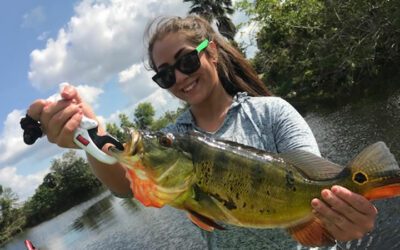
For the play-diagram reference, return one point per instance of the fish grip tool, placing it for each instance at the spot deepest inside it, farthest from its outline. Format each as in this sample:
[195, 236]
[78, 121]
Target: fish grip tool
[85, 137]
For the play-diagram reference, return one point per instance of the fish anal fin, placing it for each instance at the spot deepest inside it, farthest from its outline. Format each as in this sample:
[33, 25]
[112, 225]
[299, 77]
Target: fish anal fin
[203, 222]
[383, 192]
[311, 234]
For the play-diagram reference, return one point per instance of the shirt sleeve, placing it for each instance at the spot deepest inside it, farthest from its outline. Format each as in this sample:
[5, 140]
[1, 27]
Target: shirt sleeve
[290, 129]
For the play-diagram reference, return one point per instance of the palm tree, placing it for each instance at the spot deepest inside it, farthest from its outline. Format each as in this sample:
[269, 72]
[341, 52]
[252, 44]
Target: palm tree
[217, 10]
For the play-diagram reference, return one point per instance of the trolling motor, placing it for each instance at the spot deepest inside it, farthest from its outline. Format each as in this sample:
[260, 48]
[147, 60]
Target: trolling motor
[85, 136]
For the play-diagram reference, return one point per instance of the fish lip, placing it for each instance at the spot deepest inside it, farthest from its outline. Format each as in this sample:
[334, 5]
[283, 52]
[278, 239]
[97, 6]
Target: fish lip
[137, 145]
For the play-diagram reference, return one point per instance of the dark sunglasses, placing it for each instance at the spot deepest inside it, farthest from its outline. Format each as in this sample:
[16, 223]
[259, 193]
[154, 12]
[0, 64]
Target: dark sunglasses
[187, 64]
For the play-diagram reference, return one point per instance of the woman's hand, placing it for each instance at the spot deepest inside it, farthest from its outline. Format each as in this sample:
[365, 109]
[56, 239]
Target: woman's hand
[345, 215]
[60, 119]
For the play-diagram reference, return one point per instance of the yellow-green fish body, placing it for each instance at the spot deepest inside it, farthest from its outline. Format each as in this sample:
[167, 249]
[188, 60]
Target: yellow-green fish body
[225, 181]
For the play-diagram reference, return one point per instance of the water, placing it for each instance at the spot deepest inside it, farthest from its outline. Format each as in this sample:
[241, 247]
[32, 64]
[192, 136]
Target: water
[106, 222]
[343, 134]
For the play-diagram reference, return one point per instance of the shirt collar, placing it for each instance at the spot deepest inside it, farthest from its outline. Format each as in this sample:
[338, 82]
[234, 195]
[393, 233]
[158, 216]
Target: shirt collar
[187, 117]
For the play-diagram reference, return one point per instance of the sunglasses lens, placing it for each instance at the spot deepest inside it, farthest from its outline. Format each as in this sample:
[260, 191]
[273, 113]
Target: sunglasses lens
[189, 63]
[165, 78]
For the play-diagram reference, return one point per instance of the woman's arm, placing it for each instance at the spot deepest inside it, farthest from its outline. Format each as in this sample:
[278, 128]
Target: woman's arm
[60, 119]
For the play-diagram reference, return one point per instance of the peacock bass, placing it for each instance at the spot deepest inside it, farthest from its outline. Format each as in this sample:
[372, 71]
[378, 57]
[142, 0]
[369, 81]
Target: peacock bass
[216, 180]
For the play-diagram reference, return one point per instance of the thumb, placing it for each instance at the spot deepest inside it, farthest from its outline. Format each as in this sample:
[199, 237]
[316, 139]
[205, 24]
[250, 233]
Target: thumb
[69, 92]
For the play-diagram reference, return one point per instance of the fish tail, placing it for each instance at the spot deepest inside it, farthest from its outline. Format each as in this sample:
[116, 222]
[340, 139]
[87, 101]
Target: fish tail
[376, 171]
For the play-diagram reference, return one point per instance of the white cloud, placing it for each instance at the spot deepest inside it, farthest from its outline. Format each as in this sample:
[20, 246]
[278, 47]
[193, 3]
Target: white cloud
[15, 150]
[16, 153]
[160, 99]
[33, 18]
[43, 36]
[23, 185]
[247, 32]
[247, 35]
[11, 141]
[136, 81]
[102, 39]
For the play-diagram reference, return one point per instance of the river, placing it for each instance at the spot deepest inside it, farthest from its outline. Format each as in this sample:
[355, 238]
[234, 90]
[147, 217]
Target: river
[106, 222]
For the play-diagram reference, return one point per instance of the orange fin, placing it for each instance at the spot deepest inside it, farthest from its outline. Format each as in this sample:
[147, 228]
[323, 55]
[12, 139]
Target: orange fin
[311, 234]
[383, 192]
[143, 190]
[203, 222]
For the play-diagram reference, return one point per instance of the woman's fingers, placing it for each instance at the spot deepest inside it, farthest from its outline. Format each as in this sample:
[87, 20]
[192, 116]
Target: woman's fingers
[346, 215]
[69, 92]
[36, 108]
[65, 138]
[60, 119]
[356, 201]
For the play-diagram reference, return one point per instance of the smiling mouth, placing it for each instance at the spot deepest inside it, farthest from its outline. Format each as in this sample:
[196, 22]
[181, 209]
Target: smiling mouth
[190, 87]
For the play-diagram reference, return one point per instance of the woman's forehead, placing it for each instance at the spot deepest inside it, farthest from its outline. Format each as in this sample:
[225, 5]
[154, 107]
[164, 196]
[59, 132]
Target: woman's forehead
[165, 49]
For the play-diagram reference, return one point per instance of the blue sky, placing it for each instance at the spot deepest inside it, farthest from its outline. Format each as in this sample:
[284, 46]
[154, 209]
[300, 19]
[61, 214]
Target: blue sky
[95, 45]
[21, 23]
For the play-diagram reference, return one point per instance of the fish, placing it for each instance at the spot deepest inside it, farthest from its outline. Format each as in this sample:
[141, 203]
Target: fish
[220, 181]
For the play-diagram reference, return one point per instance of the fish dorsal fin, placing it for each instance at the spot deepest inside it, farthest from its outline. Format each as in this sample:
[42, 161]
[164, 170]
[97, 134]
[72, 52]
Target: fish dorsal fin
[311, 165]
[373, 157]
[203, 222]
[311, 234]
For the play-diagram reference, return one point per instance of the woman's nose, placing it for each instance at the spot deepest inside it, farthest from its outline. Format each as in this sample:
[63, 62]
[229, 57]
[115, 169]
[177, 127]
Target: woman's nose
[179, 76]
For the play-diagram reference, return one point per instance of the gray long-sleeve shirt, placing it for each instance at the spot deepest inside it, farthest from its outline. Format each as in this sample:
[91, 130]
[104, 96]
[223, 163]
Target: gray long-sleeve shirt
[267, 123]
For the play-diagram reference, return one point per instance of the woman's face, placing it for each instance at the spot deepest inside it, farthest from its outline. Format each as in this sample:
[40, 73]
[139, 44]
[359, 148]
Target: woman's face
[194, 88]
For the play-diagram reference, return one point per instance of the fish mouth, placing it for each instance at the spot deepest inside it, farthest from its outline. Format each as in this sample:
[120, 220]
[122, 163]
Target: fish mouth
[133, 146]
[136, 145]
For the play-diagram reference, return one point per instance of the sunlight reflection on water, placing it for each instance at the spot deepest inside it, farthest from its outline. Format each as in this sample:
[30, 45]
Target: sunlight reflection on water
[106, 222]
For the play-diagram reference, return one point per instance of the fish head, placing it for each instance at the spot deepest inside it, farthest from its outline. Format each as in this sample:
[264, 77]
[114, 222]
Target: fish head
[158, 153]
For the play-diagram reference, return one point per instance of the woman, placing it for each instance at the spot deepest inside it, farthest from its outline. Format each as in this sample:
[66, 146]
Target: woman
[227, 101]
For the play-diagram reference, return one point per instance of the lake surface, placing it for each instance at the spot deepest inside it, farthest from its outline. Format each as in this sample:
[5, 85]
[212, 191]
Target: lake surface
[106, 222]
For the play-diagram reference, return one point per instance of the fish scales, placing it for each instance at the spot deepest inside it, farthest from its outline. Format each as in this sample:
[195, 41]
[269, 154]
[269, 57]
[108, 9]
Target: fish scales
[216, 180]
[251, 185]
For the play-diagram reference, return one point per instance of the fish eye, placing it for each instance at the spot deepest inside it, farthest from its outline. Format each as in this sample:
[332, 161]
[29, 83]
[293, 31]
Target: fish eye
[166, 140]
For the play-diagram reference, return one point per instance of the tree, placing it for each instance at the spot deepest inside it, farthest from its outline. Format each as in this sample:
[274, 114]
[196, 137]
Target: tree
[144, 115]
[321, 50]
[217, 10]
[11, 218]
[116, 130]
[168, 118]
[69, 182]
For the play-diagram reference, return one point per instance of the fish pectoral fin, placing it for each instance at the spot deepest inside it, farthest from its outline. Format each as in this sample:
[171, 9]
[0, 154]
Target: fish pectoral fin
[203, 222]
[311, 234]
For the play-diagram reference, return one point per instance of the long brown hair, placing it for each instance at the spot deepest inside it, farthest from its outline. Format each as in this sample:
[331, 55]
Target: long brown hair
[234, 71]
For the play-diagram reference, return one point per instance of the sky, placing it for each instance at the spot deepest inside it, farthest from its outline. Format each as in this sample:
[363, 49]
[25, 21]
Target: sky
[97, 46]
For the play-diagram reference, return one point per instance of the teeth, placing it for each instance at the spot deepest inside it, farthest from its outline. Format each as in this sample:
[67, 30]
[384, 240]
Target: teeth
[190, 87]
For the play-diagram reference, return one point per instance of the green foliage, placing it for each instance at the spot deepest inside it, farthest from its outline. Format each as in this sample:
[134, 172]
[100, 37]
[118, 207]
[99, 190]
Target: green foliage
[12, 219]
[218, 10]
[144, 115]
[69, 182]
[114, 130]
[144, 118]
[319, 50]
[168, 118]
